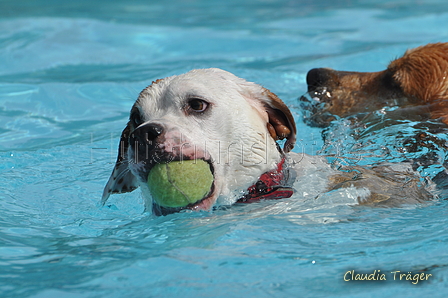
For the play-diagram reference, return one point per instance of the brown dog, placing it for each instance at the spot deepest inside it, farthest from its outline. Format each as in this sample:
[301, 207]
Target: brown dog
[418, 78]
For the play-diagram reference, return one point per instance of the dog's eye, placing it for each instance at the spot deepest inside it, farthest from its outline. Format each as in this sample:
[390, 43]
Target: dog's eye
[197, 105]
[136, 118]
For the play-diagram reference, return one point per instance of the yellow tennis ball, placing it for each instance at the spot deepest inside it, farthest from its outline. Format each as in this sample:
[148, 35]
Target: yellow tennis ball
[180, 183]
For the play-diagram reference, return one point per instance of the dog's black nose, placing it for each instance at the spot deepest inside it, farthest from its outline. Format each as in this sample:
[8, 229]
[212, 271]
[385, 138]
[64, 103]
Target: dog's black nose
[153, 131]
[148, 133]
[318, 77]
[143, 141]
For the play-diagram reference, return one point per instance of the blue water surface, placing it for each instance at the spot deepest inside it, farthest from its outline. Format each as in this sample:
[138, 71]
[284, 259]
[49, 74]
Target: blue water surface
[70, 72]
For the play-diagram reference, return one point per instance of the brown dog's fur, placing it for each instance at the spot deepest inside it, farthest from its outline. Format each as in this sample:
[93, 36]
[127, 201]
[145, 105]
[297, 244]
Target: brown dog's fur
[420, 77]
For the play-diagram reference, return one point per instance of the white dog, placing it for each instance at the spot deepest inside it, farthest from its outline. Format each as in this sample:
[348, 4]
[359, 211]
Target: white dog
[234, 125]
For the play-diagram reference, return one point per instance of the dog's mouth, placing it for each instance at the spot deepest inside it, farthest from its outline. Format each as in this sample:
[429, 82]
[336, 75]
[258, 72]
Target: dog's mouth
[315, 106]
[184, 184]
[177, 174]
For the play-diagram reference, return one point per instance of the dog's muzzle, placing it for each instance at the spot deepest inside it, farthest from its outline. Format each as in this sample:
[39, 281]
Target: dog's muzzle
[152, 144]
[145, 148]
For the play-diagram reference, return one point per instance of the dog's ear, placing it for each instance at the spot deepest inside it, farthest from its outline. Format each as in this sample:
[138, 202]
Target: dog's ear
[121, 180]
[421, 72]
[281, 124]
[280, 121]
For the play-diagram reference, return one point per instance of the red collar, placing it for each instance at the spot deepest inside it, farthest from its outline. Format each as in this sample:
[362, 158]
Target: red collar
[271, 185]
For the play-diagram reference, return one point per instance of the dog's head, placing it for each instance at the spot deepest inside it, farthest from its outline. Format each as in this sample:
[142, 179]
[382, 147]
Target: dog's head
[419, 77]
[207, 114]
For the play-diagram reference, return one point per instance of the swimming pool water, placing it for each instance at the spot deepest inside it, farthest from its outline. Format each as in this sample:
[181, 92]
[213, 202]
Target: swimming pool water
[69, 74]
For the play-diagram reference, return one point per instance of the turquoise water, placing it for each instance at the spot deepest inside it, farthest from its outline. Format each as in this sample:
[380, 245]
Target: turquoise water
[68, 77]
